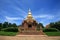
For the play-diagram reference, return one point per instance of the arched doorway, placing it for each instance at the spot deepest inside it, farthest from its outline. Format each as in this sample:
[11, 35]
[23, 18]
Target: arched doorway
[29, 26]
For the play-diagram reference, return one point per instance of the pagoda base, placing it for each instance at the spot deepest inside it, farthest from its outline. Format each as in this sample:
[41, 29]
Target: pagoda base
[31, 33]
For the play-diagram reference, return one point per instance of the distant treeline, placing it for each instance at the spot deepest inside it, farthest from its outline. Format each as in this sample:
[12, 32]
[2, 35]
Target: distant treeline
[6, 25]
[9, 26]
[55, 25]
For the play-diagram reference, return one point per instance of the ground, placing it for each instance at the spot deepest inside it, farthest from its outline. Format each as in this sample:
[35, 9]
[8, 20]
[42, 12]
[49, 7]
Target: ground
[11, 36]
[30, 37]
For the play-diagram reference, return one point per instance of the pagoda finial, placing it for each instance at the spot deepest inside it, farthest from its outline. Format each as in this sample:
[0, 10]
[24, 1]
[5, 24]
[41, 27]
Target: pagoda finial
[29, 10]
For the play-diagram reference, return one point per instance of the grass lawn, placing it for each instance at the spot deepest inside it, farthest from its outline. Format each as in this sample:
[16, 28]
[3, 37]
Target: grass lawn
[52, 33]
[14, 33]
[7, 33]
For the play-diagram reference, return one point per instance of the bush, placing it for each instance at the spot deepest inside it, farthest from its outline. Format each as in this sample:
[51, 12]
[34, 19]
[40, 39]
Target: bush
[50, 30]
[10, 29]
[38, 29]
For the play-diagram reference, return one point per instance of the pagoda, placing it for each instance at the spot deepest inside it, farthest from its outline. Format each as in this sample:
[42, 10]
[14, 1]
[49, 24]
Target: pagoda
[29, 25]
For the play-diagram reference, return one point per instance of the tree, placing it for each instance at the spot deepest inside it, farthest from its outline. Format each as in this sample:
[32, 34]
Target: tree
[14, 25]
[39, 25]
[52, 25]
[0, 26]
[55, 25]
[9, 25]
[5, 24]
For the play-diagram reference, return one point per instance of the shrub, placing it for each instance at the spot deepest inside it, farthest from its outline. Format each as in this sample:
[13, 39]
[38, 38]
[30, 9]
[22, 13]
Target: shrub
[38, 29]
[50, 30]
[10, 29]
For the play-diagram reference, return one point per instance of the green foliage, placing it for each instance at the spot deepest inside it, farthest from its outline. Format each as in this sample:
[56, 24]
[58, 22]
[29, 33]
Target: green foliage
[7, 33]
[10, 29]
[14, 25]
[50, 30]
[0, 26]
[9, 25]
[52, 33]
[55, 25]
[38, 26]
[5, 24]
[38, 29]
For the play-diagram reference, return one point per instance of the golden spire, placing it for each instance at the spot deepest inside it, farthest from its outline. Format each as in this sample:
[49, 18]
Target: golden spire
[29, 15]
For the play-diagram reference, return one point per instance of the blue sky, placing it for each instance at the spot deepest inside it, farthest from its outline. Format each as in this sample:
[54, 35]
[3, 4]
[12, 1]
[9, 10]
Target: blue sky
[15, 11]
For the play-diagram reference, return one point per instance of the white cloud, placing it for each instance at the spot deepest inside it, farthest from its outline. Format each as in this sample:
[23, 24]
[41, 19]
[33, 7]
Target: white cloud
[21, 12]
[13, 18]
[44, 16]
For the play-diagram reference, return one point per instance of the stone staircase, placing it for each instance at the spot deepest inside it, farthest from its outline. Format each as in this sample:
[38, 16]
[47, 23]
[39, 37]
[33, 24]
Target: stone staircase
[32, 33]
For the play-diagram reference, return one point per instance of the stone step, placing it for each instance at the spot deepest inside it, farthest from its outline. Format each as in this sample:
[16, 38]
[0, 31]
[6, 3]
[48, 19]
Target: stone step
[31, 33]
